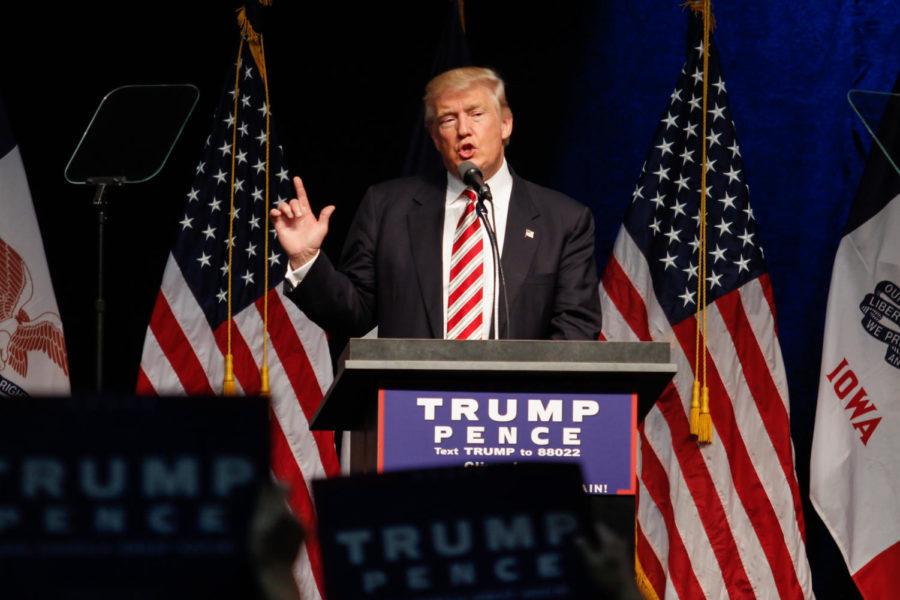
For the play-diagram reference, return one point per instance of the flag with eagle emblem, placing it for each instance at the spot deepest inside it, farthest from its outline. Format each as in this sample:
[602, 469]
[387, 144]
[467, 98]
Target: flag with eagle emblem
[32, 348]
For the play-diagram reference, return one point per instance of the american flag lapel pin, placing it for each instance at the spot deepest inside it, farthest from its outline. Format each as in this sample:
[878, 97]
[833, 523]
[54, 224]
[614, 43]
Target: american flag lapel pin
[529, 234]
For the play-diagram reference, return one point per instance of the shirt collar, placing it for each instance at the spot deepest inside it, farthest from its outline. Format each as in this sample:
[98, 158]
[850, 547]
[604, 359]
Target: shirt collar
[501, 179]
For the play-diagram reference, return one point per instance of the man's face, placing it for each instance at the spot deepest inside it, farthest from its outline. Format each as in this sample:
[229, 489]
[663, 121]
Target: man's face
[469, 126]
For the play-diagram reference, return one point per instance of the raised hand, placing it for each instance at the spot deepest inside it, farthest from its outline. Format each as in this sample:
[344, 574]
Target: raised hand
[299, 231]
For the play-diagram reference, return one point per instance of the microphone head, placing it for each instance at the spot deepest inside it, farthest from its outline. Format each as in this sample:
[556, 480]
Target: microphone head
[467, 167]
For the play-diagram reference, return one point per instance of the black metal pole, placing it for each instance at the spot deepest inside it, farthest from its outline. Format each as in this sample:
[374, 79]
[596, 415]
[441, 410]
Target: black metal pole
[100, 303]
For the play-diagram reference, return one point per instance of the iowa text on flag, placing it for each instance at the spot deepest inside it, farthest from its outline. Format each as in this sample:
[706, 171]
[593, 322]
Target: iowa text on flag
[223, 262]
[721, 519]
[855, 466]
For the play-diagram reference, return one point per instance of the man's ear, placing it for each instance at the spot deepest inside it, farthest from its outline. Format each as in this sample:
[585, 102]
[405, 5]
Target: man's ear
[506, 124]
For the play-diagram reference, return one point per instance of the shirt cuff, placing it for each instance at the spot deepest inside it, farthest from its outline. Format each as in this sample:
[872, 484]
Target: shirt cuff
[294, 277]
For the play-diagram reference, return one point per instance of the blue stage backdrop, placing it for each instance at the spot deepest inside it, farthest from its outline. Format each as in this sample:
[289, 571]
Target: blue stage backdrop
[788, 67]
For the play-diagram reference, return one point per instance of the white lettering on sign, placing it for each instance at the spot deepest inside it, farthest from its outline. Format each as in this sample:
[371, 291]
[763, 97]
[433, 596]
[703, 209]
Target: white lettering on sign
[584, 408]
[430, 405]
[535, 409]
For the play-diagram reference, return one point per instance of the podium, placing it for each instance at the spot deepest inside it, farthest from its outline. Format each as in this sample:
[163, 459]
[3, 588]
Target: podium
[367, 366]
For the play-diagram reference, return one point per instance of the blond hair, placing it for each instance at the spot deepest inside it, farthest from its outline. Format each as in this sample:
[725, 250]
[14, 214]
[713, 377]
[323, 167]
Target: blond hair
[463, 78]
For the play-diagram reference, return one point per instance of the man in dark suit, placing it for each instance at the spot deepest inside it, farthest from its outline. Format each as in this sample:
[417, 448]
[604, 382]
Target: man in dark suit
[417, 262]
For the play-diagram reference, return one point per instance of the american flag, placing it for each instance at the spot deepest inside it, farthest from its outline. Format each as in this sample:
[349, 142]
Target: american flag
[722, 519]
[184, 351]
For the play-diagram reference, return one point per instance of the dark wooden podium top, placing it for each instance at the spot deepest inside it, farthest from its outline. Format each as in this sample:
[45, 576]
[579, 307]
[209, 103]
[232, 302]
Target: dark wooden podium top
[502, 365]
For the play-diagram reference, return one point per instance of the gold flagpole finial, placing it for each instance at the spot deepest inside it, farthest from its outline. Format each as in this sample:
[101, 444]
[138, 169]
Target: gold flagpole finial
[699, 7]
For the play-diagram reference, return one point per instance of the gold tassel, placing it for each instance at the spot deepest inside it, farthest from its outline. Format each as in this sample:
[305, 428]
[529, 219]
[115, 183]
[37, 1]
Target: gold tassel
[228, 387]
[705, 434]
[645, 588]
[264, 385]
[695, 409]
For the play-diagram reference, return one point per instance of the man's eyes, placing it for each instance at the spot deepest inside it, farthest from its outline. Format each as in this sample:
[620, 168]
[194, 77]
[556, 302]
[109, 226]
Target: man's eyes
[450, 119]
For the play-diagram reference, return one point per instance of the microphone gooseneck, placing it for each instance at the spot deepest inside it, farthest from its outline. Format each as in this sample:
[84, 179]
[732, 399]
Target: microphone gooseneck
[472, 177]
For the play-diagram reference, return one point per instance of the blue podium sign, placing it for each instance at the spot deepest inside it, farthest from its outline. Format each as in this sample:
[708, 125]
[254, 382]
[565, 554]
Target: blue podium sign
[421, 429]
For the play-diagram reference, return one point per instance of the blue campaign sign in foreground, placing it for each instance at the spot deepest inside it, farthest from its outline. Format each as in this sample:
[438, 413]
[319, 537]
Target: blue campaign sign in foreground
[420, 429]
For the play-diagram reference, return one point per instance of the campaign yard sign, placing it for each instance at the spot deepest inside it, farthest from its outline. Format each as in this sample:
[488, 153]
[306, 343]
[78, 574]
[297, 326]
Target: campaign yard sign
[501, 531]
[420, 429]
[129, 497]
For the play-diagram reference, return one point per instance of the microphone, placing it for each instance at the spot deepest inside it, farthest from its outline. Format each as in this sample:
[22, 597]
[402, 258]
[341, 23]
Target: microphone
[473, 177]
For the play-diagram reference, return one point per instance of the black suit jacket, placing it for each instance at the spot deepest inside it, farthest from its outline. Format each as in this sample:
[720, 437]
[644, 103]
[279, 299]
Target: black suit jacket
[390, 273]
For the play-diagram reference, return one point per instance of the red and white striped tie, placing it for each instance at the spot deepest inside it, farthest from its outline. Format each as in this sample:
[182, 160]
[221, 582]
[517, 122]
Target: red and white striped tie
[466, 290]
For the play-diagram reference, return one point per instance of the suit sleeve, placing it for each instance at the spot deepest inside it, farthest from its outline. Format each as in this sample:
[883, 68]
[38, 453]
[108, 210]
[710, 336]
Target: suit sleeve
[576, 307]
[343, 301]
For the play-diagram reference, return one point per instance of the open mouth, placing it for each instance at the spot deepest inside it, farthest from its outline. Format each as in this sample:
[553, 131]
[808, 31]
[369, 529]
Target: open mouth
[466, 151]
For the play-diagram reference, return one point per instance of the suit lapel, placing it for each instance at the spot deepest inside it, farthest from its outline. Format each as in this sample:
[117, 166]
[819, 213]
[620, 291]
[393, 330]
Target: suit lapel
[426, 231]
[518, 247]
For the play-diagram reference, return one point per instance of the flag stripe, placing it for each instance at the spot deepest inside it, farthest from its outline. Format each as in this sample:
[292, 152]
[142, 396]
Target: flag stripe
[747, 483]
[301, 376]
[649, 562]
[877, 579]
[773, 481]
[762, 322]
[177, 349]
[144, 387]
[656, 484]
[708, 503]
[653, 540]
[285, 468]
[763, 389]
[194, 326]
[769, 294]
[630, 305]
[285, 403]
[158, 371]
[312, 340]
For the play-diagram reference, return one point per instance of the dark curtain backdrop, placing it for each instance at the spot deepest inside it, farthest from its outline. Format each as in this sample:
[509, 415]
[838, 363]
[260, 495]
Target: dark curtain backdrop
[587, 82]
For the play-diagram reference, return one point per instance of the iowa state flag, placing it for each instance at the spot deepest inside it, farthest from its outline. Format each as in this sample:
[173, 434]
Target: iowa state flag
[855, 470]
[32, 349]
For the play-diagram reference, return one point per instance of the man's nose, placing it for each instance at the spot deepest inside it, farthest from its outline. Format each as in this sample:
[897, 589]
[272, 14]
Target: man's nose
[464, 126]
